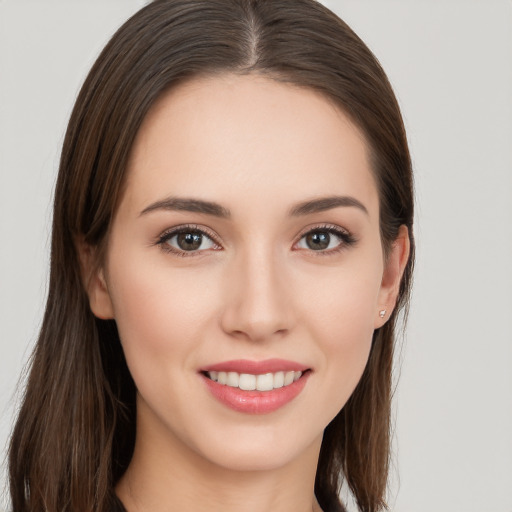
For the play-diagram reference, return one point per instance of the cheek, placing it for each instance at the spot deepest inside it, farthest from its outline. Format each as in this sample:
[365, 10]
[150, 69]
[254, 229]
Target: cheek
[160, 312]
[342, 306]
[341, 317]
[345, 326]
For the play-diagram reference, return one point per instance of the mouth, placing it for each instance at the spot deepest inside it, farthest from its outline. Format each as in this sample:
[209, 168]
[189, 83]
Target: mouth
[255, 382]
[256, 387]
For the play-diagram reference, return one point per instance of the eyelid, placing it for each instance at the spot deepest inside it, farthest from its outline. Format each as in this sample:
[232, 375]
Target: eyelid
[347, 238]
[325, 227]
[166, 235]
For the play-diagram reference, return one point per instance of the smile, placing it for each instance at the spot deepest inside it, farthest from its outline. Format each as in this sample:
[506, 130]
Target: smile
[250, 382]
[254, 387]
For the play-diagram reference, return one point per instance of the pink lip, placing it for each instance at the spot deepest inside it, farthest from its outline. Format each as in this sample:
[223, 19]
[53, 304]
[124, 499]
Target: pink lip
[256, 367]
[255, 402]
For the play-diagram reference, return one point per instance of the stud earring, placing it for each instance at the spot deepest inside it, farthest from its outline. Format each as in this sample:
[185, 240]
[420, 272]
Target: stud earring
[382, 313]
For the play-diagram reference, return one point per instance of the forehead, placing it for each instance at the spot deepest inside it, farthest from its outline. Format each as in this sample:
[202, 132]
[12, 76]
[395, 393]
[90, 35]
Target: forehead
[233, 136]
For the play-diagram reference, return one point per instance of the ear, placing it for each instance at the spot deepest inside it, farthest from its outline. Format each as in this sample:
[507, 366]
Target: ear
[394, 268]
[93, 278]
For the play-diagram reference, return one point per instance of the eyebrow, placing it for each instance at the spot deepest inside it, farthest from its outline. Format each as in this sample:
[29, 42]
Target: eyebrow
[189, 205]
[326, 203]
[211, 208]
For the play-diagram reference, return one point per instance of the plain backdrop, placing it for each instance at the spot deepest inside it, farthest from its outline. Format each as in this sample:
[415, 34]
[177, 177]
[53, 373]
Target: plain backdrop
[451, 65]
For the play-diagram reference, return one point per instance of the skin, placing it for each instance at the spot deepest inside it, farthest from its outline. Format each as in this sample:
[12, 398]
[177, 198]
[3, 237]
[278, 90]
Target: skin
[258, 291]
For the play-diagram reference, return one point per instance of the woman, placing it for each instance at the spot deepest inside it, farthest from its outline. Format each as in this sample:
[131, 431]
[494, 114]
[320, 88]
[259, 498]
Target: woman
[232, 243]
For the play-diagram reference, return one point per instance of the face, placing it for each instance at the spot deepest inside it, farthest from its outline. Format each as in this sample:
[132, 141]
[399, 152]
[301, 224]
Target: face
[245, 252]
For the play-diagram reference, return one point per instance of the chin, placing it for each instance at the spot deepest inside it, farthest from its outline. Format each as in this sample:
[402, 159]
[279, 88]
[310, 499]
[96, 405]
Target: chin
[262, 450]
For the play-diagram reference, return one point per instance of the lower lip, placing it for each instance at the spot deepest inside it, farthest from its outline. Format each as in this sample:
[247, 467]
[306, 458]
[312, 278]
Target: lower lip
[256, 402]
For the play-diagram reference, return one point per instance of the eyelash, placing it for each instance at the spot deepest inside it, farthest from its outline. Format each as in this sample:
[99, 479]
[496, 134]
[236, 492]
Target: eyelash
[347, 239]
[188, 228]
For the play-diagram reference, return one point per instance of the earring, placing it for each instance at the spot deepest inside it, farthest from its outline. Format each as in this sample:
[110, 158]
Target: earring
[382, 313]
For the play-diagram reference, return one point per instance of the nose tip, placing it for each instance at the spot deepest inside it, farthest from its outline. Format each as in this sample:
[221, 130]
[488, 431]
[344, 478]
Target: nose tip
[258, 305]
[257, 331]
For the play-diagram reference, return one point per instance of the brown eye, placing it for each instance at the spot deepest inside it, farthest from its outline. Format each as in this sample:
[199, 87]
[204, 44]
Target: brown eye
[328, 239]
[187, 240]
[318, 241]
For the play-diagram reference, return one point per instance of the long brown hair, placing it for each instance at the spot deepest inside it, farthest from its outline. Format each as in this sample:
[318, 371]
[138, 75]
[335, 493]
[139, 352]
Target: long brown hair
[75, 432]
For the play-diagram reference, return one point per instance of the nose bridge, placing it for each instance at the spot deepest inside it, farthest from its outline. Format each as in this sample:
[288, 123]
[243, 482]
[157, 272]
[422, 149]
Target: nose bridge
[258, 303]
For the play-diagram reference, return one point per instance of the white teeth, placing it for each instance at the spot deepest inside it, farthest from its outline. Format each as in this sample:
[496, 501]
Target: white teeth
[249, 382]
[232, 379]
[288, 378]
[279, 380]
[265, 382]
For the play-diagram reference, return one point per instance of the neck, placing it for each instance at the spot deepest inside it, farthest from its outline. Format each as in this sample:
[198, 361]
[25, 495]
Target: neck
[167, 475]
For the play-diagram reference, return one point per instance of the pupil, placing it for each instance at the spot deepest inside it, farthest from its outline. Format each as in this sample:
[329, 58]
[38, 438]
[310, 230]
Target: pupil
[318, 241]
[189, 241]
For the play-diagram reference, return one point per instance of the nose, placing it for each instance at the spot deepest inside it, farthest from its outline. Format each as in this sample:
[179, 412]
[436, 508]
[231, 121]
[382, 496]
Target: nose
[258, 302]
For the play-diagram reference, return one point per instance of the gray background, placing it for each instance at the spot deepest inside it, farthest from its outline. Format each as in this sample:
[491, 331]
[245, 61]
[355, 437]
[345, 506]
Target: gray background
[451, 65]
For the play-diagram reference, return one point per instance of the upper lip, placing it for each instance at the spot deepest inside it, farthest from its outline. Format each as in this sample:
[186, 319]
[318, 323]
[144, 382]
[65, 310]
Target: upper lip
[256, 367]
